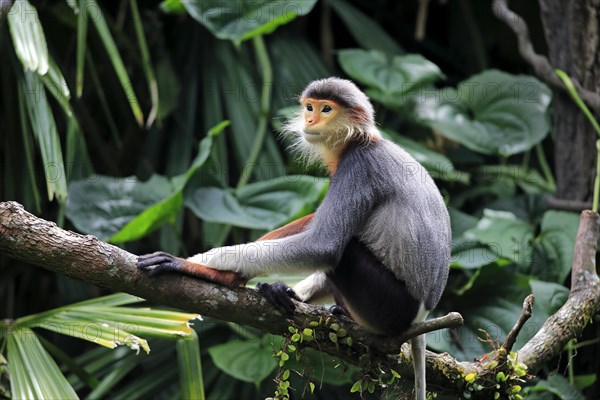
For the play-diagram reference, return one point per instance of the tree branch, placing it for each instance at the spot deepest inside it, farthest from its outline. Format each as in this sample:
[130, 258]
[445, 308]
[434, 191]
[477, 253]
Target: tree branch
[511, 338]
[33, 240]
[583, 302]
[36, 241]
[542, 67]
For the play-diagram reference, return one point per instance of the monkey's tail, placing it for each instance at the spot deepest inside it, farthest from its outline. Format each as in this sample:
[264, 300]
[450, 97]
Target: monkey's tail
[417, 345]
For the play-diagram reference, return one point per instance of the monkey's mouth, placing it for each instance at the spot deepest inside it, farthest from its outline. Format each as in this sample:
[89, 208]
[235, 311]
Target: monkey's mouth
[312, 136]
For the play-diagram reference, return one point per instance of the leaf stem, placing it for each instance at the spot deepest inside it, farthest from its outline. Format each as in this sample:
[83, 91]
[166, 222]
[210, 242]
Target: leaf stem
[539, 152]
[146, 62]
[265, 101]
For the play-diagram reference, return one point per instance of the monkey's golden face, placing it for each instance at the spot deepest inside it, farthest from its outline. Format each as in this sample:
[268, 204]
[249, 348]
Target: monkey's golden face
[320, 118]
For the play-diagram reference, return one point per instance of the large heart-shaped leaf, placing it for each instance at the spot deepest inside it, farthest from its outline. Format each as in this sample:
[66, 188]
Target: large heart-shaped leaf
[438, 165]
[505, 234]
[102, 205]
[261, 205]
[124, 209]
[491, 113]
[395, 75]
[553, 255]
[249, 361]
[240, 20]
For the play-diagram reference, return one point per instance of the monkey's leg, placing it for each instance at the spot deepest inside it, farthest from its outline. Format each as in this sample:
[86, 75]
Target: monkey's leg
[417, 348]
[160, 262]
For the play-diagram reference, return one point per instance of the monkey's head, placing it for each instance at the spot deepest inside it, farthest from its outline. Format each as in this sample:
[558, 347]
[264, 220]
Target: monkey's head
[333, 112]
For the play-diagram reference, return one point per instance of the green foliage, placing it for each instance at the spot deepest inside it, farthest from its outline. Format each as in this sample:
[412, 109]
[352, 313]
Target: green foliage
[240, 20]
[261, 205]
[390, 76]
[249, 361]
[102, 321]
[491, 113]
[558, 386]
[149, 81]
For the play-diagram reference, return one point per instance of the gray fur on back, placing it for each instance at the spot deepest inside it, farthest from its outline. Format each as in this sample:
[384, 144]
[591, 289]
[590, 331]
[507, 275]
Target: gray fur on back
[406, 222]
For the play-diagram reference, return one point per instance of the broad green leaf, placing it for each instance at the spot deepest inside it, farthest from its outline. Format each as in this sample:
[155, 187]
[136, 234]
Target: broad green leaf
[244, 360]
[166, 210]
[559, 386]
[553, 255]
[190, 367]
[367, 33]
[32, 92]
[584, 381]
[396, 75]
[461, 222]
[28, 37]
[124, 209]
[151, 218]
[505, 234]
[469, 254]
[529, 180]
[103, 205]
[438, 165]
[261, 205]
[491, 113]
[549, 297]
[34, 374]
[240, 20]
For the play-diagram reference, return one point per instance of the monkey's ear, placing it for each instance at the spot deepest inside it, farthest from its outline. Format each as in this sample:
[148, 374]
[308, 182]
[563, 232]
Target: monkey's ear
[359, 115]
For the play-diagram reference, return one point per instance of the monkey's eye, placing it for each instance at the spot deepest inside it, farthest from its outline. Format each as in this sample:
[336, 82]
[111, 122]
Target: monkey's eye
[326, 109]
[309, 107]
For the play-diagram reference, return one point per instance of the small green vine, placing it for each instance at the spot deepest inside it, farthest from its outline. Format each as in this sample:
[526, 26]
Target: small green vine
[322, 329]
[506, 382]
[372, 376]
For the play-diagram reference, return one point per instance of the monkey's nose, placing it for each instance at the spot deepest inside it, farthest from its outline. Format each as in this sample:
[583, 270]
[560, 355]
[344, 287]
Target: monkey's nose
[310, 121]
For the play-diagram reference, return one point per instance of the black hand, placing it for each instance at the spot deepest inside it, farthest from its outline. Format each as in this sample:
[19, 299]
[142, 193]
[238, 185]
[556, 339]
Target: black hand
[279, 295]
[158, 262]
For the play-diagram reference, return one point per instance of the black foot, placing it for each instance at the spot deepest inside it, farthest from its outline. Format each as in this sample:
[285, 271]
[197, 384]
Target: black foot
[158, 262]
[279, 295]
[338, 310]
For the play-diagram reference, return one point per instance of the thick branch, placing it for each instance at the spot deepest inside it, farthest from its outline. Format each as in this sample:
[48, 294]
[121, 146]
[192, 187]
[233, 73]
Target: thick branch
[541, 65]
[39, 242]
[30, 239]
[583, 302]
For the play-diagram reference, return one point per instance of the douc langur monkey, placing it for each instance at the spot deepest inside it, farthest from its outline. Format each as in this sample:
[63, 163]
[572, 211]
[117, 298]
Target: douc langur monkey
[379, 243]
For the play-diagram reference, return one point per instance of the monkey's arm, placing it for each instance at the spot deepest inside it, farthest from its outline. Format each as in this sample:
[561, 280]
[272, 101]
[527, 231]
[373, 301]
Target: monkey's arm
[290, 229]
[163, 262]
[351, 197]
